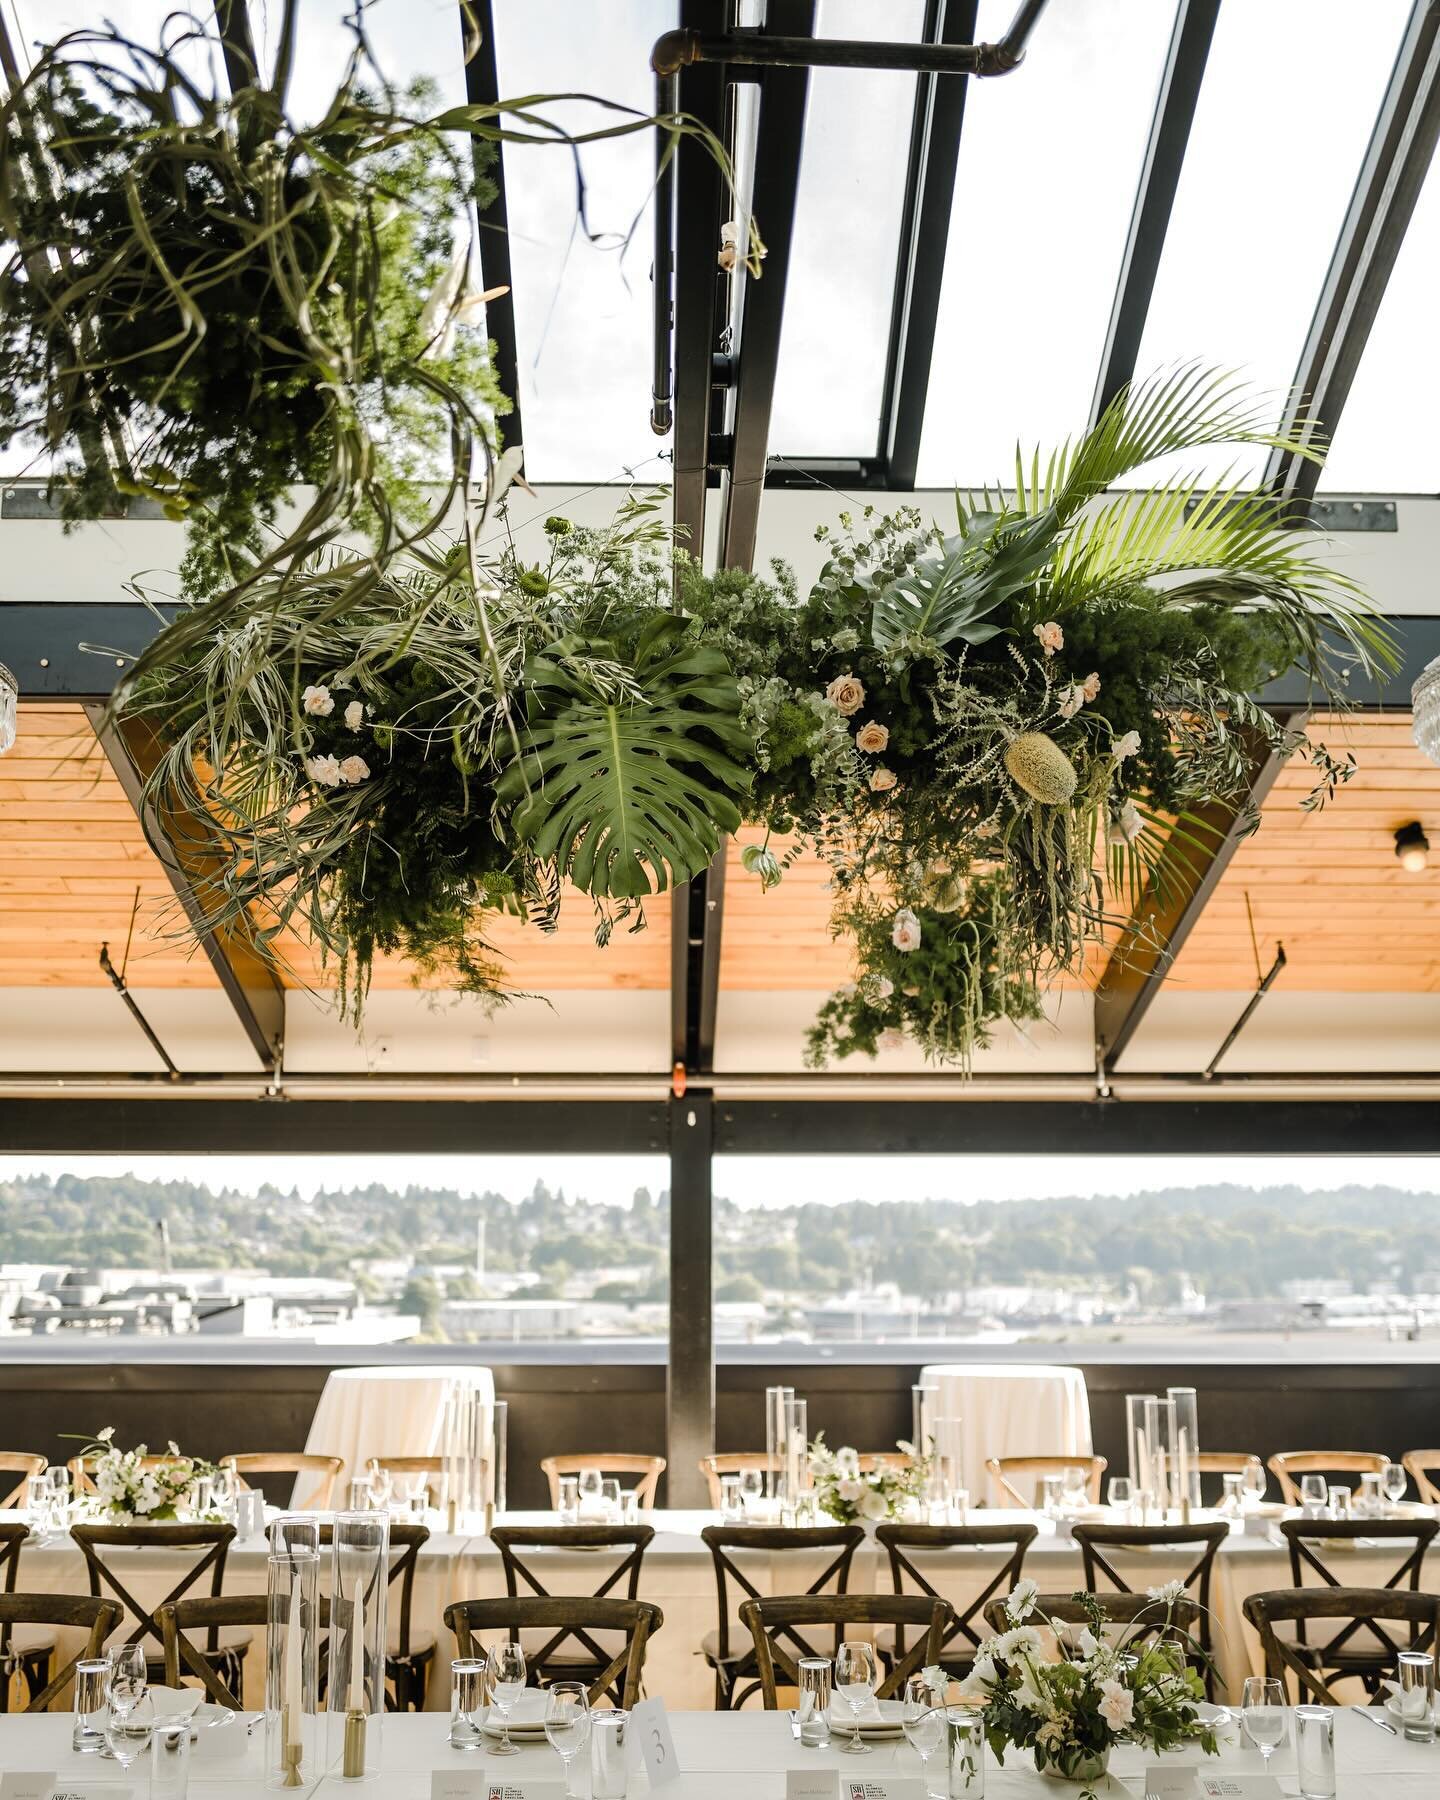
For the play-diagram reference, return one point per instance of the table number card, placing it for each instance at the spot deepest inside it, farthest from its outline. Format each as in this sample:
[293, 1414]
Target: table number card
[888, 1788]
[1240, 1787]
[523, 1790]
[812, 1784]
[650, 1730]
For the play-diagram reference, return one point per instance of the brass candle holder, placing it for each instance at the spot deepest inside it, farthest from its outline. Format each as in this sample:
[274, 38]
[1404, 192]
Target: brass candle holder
[352, 1765]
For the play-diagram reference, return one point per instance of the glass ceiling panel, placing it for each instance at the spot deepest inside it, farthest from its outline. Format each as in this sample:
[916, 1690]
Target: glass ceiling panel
[1049, 161]
[830, 383]
[1290, 96]
[1385, 442]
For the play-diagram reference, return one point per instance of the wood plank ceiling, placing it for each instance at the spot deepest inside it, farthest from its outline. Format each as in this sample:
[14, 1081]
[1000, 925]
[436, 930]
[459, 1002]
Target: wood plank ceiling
[1327, 884]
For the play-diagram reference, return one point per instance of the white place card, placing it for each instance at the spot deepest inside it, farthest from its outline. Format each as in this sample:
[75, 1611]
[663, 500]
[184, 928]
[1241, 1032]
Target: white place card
[1167, 1782]
[523, 1790]
[68, 1790]
[1239, 1787]
[27, 1784]
[890, 1787]
[812, 1784]
[650, 1729]
[457, 1784]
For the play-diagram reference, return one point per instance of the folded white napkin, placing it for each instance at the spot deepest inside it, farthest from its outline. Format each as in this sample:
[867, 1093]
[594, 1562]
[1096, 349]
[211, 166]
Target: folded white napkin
[174, 1703]
[1412, 1705]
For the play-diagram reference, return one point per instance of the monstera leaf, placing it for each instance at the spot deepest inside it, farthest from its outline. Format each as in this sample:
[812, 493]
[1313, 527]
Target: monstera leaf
[630, 794]
[951, 592]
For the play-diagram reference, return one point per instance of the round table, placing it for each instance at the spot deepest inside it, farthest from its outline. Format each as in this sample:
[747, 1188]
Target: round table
[394, 1410]
[1010, 1409]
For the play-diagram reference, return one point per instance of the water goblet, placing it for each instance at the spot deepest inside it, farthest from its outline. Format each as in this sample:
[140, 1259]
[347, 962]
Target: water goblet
[1120, 1492]
[567, 1723]
[855, 1677]
[923, 1723]
[128, 1730]
[507, 1683]
[1262, 1714]
[1393, 1482]
[1313, 1494]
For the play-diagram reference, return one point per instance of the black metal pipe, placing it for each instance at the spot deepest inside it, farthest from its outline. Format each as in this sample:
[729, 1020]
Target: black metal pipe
[1249, 1012]
[117, 981]
[482, 88]
[662, 404]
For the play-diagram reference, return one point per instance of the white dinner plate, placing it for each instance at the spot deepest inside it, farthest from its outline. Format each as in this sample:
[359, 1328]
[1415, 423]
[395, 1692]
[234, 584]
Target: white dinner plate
[526, 1721]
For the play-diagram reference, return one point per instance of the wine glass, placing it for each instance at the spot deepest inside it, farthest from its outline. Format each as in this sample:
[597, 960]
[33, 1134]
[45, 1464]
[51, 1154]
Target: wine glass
[380, 1485]
[127, 1681]
[1252, 1480]
[610, 1500]
[1121, 1493]
[1314, 1491]
[38, 1510]
[128, 1731]
[752, 1487]
[855, 1677]
[1262, 1714]
[1393, 1482]
[589, 1491]
[922, 1722]
[1073, 1489]
[507, 1683]
[567, 1723]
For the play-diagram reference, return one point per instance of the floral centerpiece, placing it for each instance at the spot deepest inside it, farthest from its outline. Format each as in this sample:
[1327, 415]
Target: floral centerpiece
[1135, 1689]
[849, 1495]
[131, 1484]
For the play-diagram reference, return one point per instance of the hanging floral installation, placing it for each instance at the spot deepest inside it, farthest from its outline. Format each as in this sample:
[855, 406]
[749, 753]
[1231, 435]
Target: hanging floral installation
[396, 727]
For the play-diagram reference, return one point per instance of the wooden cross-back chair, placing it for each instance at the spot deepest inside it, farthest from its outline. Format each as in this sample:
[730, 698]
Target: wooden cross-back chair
[772, 1618]
[33, 1653]
[1137, 1615]
[1288, 1466]
[560, 1659]
[319, 1497]
[230, 1611]
[903, 1542]
[735, 1664]
[52, 1612]
[731, 1462]
[26, 1464]
[1007, 1470]
[578, 1615]
[1373, 1659]
[209, 1545]
[409, 1657]
[608, 1462]
[432, 1467]
[1095, 1540]
[1362, 1607]
[1418, 1465]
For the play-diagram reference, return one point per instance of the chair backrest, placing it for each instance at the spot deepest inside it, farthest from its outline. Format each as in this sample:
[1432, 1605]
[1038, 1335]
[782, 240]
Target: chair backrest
[69, 1612]
[730, 1462]
[1362, 1608]
[1095, 1540]
[80, 1467]
[568, 1616]
[1138, 1615]
[1287, 1467]
[843, 1540]
[903, 1542]
[608, 1462]
[433, 1466]
[326, 1470]
[1307, 1538]
[13, 1539]
[25, 1464]
[509, 1540]
[791, 1615]
[1418, 1464]
[406, 1542]
[209, 1544]
[1008, 1471]
[211, 1616]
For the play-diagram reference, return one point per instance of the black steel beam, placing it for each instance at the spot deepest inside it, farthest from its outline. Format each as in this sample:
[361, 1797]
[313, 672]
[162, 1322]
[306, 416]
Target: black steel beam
[863, 1127]
[1159, 178]
[779, 139]
[1146, 950]
[924, 238]
[1391, 177]
[482, 88]
[690, 1369]
[185, 849]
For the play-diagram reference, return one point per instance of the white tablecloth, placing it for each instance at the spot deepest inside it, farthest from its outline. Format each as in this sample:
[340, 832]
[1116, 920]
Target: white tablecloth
[388, 1411]
[713, 1749]
[1010, 1409]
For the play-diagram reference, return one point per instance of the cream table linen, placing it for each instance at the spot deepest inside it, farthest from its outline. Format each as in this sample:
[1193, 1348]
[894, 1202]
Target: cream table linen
[713, 1750]
[1010, 1409]
[393, 1410]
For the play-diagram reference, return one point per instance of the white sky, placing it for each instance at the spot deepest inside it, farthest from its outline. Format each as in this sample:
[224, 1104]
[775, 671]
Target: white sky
[763, 1180]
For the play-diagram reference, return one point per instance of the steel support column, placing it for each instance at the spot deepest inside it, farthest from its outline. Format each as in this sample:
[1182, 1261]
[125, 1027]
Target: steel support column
[482, 88]
[690, 1377]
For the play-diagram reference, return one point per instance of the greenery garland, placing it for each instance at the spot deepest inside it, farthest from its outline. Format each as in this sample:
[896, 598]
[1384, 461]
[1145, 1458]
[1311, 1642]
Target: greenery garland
[990, 737]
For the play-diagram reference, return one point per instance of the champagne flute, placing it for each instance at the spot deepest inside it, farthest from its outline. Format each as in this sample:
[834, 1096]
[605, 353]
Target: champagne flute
[1394, 1481]
[567, 1723]
[922, 1722]
[507, 1683]
[1262, 1713]
[855, 1676]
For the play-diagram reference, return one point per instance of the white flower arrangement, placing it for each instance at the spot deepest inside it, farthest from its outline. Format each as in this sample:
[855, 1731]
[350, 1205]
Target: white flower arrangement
[1071, 1712]
[847, 1495]
[129, 1487]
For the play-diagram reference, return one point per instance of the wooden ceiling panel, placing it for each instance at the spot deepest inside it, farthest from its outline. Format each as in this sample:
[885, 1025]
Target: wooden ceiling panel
[1327, 884]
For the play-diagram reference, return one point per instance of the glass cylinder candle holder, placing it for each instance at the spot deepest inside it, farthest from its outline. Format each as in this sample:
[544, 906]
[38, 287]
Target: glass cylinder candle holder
[949, 1470]
[359, 1581]
[775, 1399]
[795, 1463]
[292, 1735]
[1160, 1441]
[496, 1447]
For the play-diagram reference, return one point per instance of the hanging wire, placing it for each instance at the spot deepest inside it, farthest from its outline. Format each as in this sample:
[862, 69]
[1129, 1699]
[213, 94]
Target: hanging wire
[1254, 941]
[129, 935]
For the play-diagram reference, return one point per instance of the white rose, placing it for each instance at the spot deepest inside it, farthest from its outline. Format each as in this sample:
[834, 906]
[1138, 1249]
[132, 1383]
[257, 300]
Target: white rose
[874, 1505]
[318, 701]
[1117, 1706]
[851, 1491]
[355, 714]
[324, 770]
[354, 769]
[905, 931]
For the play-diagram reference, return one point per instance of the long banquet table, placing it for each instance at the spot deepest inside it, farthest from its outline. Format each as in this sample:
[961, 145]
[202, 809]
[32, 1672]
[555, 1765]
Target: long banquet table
[712, 1750]
[678, 1575]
